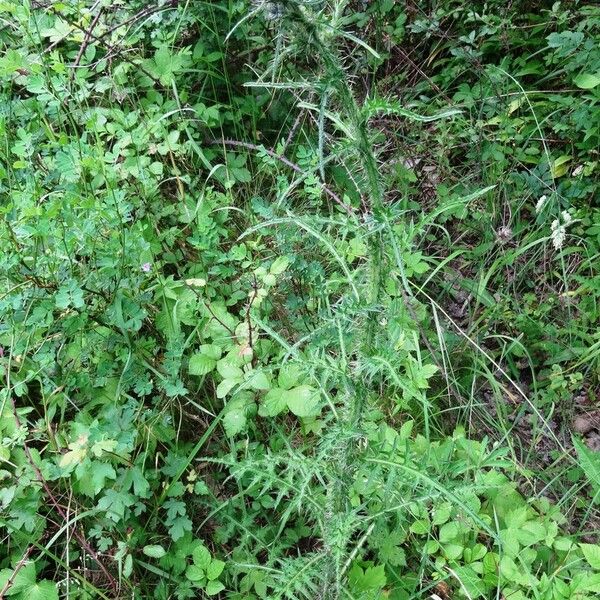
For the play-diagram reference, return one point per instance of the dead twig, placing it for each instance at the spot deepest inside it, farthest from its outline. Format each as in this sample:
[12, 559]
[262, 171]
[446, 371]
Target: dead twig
[86, 40]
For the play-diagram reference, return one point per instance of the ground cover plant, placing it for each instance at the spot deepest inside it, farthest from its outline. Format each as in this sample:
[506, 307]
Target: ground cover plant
[299, 300]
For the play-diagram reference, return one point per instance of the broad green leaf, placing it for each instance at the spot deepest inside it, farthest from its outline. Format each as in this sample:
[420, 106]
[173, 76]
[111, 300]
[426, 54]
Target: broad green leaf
[273, 403]
[229, 371]
[258, 380]
[587, 81]
[128, 566]
[289, 374]
[42, 590]
[516, 517]
[303, 401]
[592, 555]
[201, 364]
[531, 533]
[93, 476]
[225, 387]
[214, 587]
[279, 265]
[442, 512]
[154, 551]
[24, 579]
[196, 574]
[449, 532]
[234, 421]
[201, 556]
[453, 551]
[215, 569]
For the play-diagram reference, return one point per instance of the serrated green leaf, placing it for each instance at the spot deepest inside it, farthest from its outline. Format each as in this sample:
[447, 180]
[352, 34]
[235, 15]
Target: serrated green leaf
[154, 551]
[201, 364]
[303, 401]
[42, 590]
[234, 421]
[214, 587]
[201, 556]
[196, 574]
[592, 555]
[273, 403]
[215, 569]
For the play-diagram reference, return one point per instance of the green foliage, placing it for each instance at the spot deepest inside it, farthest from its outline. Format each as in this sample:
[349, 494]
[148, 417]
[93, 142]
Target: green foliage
[292, 295]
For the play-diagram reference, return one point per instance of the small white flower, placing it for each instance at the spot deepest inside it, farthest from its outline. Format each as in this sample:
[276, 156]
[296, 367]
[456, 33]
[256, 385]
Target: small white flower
[567, 218]
[558, 235]
[577, 171]
[540, 204]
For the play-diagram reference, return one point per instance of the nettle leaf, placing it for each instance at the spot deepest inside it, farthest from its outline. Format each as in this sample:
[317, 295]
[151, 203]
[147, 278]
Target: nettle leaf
[303, 401]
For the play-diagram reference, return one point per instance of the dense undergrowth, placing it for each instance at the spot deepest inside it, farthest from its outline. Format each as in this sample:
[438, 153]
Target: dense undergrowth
[299, 300]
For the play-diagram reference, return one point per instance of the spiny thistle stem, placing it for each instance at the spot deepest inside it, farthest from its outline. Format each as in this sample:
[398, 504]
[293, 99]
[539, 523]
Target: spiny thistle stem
[339, 527]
